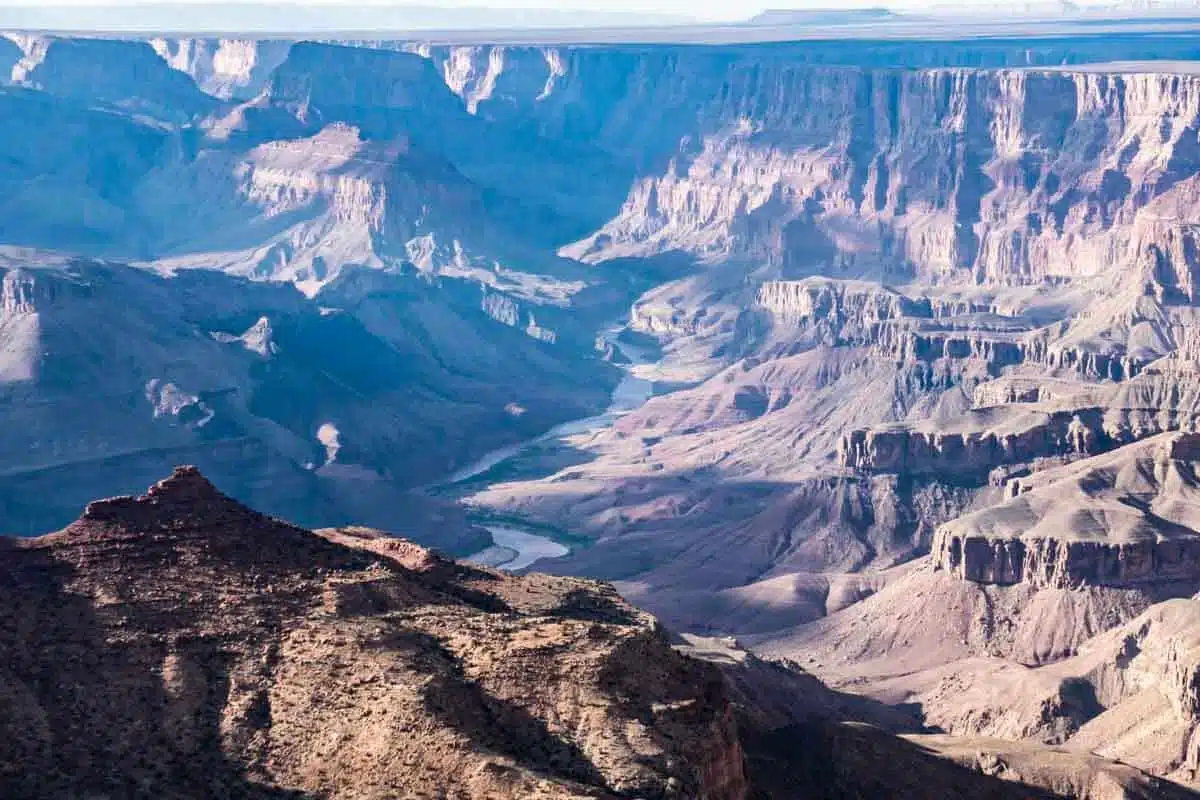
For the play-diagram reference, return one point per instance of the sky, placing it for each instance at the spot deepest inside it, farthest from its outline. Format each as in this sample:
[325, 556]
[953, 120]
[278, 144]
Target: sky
[699, 9]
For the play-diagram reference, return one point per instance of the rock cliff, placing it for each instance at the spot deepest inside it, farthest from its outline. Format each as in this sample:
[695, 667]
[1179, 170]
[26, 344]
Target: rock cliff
[224, 68]
[1122, 519]
[984, 176]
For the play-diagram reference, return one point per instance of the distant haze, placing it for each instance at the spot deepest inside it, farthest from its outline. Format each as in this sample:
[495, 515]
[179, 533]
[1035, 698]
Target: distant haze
[308, 17]
[329, 16]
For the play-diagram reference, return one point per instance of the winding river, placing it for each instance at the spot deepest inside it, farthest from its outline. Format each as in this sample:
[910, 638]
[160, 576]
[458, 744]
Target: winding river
[514, 547]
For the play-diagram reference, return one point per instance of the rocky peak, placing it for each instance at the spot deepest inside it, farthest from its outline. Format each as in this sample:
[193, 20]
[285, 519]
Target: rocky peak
[185, 519]
[184, 502]
[260, 338]
[186, 491]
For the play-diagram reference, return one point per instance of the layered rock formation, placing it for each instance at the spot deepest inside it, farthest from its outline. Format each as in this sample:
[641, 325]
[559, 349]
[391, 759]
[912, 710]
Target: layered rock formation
[874, 247]
[1117, 520]
[1021, 420]
[941, 173]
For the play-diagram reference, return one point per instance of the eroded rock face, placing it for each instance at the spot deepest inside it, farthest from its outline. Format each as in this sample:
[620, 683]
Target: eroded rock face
[121, 73]
[207, 643]
[224, 68]
[924, 171]
[974, 449]
[1023, 421]
[1121, 520]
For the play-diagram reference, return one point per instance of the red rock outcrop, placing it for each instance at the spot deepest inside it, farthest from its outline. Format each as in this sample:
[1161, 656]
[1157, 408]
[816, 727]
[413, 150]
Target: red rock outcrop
[179, 639]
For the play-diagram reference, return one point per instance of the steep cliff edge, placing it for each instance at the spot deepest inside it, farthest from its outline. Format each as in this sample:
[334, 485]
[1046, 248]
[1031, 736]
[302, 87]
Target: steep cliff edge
[986, 176]
[1123, 519]
[127, 75]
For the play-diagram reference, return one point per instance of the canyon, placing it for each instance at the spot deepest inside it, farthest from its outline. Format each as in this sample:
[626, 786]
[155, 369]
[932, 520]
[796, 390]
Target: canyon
[879, 356]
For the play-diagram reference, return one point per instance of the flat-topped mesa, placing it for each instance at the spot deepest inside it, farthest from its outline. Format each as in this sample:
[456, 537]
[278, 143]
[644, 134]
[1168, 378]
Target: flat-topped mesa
[859, 301]
[1011, 390]
[117, 71]
[1124, 519]
[928, 330]
[320, 77]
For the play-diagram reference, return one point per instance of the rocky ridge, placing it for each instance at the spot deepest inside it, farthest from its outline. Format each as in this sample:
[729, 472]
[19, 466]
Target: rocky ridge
[201, 642]
[300, 660]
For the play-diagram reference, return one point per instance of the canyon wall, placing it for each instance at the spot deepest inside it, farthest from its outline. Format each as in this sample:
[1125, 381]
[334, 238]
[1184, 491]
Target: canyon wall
[847, 166]
[1005, 177]
[1122, 520]
[884, 273]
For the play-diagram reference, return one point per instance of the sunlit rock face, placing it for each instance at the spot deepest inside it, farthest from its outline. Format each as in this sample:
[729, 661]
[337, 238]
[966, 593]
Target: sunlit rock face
[913, 279]
[1002, 177]
[224, 68]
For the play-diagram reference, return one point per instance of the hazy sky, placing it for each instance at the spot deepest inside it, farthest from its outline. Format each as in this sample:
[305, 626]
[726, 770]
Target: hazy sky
[702, 9]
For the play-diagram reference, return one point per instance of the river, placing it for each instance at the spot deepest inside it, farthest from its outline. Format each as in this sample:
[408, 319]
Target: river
[514, 547]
